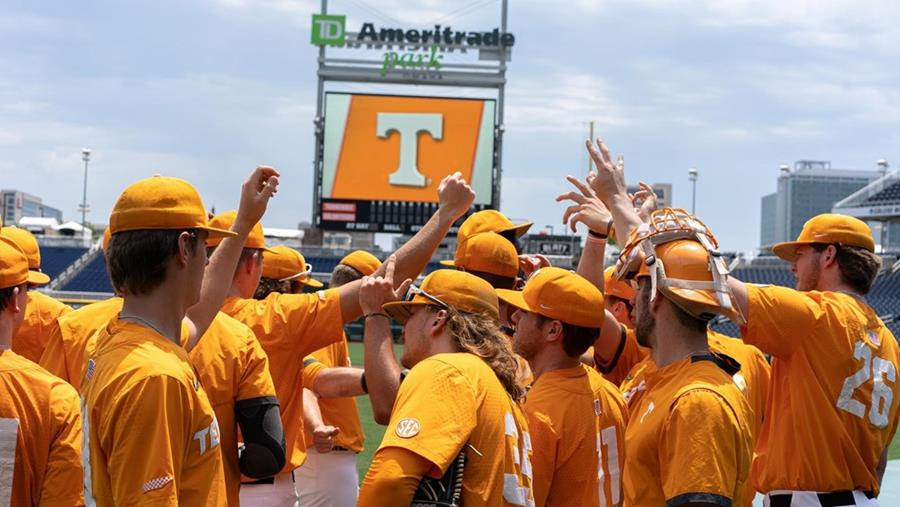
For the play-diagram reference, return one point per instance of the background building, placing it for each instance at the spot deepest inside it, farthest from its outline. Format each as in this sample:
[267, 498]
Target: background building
[879, 204]
[663, 193]
[810, 188]
[18, 204]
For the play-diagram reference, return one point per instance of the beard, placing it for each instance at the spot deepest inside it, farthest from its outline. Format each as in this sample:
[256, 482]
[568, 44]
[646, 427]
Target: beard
[644, 321]
[810, 279]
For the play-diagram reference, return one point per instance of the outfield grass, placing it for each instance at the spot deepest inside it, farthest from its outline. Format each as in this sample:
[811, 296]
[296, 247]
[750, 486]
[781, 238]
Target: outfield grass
[374, 432]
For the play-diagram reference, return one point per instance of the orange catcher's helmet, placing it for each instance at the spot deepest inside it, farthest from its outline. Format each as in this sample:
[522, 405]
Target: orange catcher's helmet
[680, 255]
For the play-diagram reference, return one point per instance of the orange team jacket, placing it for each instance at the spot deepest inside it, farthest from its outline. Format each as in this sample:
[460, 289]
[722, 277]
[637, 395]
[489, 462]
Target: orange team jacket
[151, 435]
[689, 437]
[451, 402]
[628, 353]
[834, 374]
[232, 367]
[40, 316]
[289, 327]
[577, 422]
[338, 412]
[67, 339]
[40, 436]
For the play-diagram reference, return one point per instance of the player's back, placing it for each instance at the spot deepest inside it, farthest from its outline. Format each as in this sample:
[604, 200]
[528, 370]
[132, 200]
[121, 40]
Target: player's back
[40, 436]
[152, 433]
[40, 313]
[577, 422]
[834, 371]
[454, 402]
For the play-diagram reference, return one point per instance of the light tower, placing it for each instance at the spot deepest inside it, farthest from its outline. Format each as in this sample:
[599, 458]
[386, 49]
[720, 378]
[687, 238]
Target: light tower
[693, 175]
[86, 156]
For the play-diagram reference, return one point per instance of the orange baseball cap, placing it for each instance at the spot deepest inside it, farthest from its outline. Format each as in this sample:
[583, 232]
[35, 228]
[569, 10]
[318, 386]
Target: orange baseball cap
[160, 203]
[829, 228]
[462, 291]
[283, 263]
[561, 295]
[489, 220]
[614, 287]
[105, 243]
[487, 252]
[255, 239]
[14, 266]
[27, 243]
[362, 261]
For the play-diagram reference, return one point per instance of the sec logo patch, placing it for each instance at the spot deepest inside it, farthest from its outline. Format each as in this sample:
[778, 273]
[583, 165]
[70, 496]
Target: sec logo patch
[407, 428]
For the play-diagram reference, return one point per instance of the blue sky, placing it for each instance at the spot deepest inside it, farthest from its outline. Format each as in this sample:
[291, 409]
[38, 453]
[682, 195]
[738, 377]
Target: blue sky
[208, 89]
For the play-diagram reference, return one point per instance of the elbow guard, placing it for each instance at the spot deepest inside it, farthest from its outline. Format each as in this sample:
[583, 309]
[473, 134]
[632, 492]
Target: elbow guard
[260, 422]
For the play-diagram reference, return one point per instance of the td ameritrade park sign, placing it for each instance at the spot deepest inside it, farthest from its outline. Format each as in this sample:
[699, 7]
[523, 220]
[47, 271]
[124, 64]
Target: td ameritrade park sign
[330, 30]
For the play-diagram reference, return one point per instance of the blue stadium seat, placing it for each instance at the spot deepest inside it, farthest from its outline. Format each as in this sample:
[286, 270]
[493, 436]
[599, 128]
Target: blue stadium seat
[55, 259]
[891, 193]
[91, 278]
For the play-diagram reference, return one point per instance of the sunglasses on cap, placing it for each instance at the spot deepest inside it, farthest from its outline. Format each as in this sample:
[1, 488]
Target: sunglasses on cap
[301, 276]
[414, 290]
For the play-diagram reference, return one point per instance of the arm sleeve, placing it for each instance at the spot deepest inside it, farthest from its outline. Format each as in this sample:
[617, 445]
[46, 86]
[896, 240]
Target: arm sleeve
[779, 318]
[544, 442]
[307, 322]
[260, 423]
[63, 477]
[53, 359]
[700, 451]
[256, 381]
[393, 478]
[434, 414]
[311, 370]
[154, 410]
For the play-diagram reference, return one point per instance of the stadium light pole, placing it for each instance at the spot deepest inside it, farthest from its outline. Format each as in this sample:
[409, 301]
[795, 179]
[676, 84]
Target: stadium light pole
[86, 156]
[692, 175]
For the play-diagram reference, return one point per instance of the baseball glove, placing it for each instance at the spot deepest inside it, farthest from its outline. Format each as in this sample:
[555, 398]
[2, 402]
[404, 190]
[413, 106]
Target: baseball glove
[443, 492]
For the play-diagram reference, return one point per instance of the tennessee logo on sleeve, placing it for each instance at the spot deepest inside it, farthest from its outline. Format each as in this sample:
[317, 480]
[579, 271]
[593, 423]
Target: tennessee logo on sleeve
[407, 428]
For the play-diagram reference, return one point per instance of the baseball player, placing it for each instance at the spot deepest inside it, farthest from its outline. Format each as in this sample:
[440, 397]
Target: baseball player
[832, 357]
[328, 478]
[139, 376]
[455, 415]
[576, 417]
[490, 220]
[290, 326]
[40, 418]
[284, 270]
[31, 338]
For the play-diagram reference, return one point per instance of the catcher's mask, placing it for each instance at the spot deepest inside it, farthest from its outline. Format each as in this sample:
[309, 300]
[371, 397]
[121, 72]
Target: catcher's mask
[680, 255]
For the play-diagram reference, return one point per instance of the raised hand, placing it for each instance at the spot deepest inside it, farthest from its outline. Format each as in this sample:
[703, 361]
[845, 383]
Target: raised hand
[455, 196]
[588, 208]
[647, 197]
[531, 263]
[608, 182]
[255, 194]
[323, 437]
[375, 291]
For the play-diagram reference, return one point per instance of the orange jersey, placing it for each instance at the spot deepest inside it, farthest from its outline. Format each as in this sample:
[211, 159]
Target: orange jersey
[689, 437]
[452, 402]
[338, 412]
[68, 339]
[834, 373]
[289, 327]
[40, 436]
[40, 317]
[151, 435]
[752, 379]
[232, 367]
[628, 354]
[577, 423]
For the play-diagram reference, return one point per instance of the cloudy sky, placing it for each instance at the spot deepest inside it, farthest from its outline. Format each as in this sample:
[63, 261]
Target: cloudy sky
[208, 89]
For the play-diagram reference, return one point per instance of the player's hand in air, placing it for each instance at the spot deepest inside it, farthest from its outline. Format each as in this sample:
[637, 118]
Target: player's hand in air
[323, 437]
[255, 194]
[375, 291]
[588, 208]
[528, 264]
[608, 182]
[455, 196]
[647, 197]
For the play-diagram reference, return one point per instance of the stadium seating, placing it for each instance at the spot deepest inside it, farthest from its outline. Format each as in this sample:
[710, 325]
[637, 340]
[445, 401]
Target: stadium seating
[889, 194]
[91, 278]
[55, 259]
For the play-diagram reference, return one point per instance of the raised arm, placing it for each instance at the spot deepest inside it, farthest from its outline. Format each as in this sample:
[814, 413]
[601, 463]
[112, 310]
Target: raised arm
[255, 194]
[590, 211]
[455, 197]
